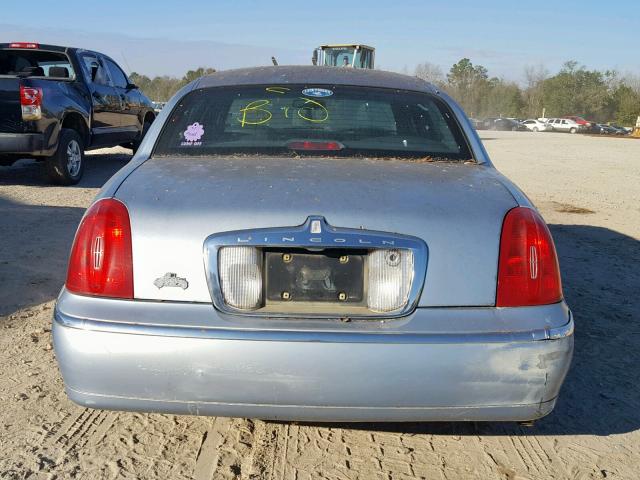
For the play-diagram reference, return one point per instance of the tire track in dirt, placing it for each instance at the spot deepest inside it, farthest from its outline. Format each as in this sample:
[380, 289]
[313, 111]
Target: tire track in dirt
[208, 456]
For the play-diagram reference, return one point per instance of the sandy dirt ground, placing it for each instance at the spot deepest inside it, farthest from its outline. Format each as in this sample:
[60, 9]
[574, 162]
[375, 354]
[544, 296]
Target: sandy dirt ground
[587, 188]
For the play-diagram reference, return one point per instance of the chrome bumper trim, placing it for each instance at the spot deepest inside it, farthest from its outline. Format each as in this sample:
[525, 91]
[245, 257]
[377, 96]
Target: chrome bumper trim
[333, 336]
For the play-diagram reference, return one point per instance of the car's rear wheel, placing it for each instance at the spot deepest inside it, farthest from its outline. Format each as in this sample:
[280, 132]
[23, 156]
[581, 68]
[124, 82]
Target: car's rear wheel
[66, 166]
[573, 130]
[535, 129]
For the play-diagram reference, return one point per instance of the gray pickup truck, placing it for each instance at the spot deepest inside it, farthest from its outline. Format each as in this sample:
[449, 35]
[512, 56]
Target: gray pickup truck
[56, 102]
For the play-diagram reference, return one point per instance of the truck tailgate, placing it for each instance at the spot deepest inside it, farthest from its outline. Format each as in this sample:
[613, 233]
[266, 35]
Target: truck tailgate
[10, 112]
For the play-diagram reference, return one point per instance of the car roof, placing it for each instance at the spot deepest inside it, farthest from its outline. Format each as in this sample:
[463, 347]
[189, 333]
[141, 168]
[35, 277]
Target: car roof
[309, 74]
[41, 46]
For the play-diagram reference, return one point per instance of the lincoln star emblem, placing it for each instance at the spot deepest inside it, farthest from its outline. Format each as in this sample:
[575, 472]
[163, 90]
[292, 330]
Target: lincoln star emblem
[316, 226]
[171, 280]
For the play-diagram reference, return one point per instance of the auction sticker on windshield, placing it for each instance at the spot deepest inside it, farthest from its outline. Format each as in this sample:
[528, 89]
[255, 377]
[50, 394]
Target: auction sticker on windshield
[317, 92]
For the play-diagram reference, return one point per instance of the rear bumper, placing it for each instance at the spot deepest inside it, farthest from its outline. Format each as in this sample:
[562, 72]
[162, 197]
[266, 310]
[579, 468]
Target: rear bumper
[338, 374]
[22, 143]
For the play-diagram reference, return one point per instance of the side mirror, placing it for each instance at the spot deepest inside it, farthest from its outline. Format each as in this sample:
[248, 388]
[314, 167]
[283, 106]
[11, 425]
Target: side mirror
[131, 86]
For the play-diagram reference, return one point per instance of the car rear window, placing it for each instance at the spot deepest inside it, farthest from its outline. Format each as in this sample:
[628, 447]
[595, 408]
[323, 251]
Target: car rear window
[312, 119]
[35, 63]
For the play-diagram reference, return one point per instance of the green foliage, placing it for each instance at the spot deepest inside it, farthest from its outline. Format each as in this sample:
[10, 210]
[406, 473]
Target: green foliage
[597, 95]
[468, 84]
[626, 103]
[161, 89]
[502, 99]
[577, 91]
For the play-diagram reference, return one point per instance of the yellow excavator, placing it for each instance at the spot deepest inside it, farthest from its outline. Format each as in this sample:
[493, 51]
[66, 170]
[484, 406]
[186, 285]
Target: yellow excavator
[353, 55]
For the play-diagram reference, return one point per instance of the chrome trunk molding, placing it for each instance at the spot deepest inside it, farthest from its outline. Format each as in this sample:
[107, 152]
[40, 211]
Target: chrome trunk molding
[314, 233]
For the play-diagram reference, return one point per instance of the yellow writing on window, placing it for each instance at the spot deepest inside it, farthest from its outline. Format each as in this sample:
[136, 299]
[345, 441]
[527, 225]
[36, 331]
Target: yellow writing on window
[314, 104]
[255, 113]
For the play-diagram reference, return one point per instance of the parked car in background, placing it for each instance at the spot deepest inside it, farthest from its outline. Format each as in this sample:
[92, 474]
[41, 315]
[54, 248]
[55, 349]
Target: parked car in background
[308, 273]
[604, 129]
[158, 106]
[564, 125]
[584, 124]
[619, 129]
[56, 102]
[535, 125]
[504, 124]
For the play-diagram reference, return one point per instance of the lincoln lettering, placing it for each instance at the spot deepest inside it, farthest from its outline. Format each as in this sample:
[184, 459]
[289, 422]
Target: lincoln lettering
[281, 240]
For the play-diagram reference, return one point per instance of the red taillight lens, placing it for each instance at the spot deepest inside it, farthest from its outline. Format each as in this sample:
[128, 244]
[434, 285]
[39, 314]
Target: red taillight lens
[310, 145]
[528, 271]
[31, 102]
[24, 45]
[30, 96]
[101, 262]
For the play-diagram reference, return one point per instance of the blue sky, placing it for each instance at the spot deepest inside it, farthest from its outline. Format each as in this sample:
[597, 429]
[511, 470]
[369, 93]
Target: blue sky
[169, 37]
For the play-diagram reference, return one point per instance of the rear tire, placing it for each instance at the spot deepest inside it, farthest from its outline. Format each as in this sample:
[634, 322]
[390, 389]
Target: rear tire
[573, 130]
[66, 166]
[535, 129]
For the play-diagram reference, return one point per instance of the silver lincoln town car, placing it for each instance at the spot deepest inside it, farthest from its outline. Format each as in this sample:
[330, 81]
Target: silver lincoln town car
[318, 244]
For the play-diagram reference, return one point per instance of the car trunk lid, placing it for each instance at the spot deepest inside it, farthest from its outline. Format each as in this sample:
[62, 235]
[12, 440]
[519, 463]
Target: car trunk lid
[457, 209]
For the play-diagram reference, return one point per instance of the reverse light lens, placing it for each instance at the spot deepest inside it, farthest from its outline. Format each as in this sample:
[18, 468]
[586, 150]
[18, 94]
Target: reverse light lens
[390, 278]
[528, 271]
[240, 270]
[101, 261]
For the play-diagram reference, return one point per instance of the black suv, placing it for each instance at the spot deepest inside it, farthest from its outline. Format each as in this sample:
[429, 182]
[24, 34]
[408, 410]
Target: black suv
[56, 102]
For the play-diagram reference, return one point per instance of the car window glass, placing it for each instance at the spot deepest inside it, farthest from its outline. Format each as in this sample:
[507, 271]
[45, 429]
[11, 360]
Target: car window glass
[352, 120]
[102, 77]
[119, 78]
[53, 64]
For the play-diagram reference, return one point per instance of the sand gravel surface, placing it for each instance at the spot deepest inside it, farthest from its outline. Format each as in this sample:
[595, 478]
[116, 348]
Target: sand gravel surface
[588, 190]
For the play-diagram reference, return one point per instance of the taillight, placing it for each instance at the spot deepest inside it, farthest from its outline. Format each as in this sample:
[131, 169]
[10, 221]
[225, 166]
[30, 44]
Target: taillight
[312, 145]
[24, 45]
[528, 271]
[101, 262]
[31, 103]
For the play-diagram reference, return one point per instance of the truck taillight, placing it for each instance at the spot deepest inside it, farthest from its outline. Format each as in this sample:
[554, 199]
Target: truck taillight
[31, 103]
[24, 45]
[528, 271]
[101, 262]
